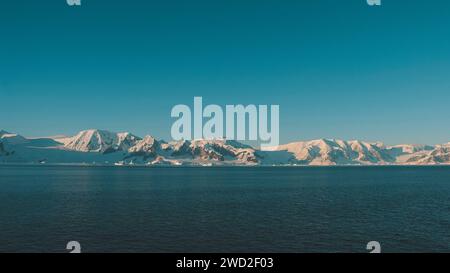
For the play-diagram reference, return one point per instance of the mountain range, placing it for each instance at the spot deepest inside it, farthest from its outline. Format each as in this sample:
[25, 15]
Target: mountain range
[107, 148]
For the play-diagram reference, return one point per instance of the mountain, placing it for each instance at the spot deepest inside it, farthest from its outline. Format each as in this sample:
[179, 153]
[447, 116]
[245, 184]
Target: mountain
[104, 147]
[215, 150]
[408, 149]
[10, 138]
[194, 152]
[147, 148]
[439, 155]
[100, 141]
[336, 152]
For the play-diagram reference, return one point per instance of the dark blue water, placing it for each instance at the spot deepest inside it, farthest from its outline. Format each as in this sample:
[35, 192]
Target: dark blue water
[336, 209]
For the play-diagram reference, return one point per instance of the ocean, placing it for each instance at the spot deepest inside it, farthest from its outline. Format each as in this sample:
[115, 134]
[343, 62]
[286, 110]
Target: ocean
[224, 209]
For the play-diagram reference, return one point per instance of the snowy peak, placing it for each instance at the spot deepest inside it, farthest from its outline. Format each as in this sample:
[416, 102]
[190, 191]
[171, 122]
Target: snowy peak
[221, 150]
[126, 140]
[410, 148]
[3, 132]
[100, 141]
[336, 152]
[439, 155]
[11, 138]
[216, 150]
[355, 152]
[148, 147]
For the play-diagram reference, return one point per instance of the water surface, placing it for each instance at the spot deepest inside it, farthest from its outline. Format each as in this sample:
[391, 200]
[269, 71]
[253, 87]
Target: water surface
[260, 209]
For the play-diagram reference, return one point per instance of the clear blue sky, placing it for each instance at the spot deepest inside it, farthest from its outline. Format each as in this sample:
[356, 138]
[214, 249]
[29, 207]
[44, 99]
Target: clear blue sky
[338, 69]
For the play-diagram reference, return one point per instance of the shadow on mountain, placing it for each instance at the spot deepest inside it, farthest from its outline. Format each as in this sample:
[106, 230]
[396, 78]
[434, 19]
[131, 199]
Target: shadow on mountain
[43, 143]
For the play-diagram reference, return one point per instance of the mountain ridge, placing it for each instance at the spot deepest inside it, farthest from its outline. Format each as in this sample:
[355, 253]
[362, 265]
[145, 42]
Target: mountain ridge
[95, 146]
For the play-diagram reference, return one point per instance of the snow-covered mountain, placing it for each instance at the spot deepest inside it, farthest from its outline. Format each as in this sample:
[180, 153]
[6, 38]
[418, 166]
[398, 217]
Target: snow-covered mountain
[408, 149]
[104, 147]
[336, 152]
[100, 141]
[195, 152]
[147, 148]
[217, 150]
[439, 155]
[13, 139]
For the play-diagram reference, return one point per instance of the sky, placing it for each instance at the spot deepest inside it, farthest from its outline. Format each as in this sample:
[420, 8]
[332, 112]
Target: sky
[338, 69]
